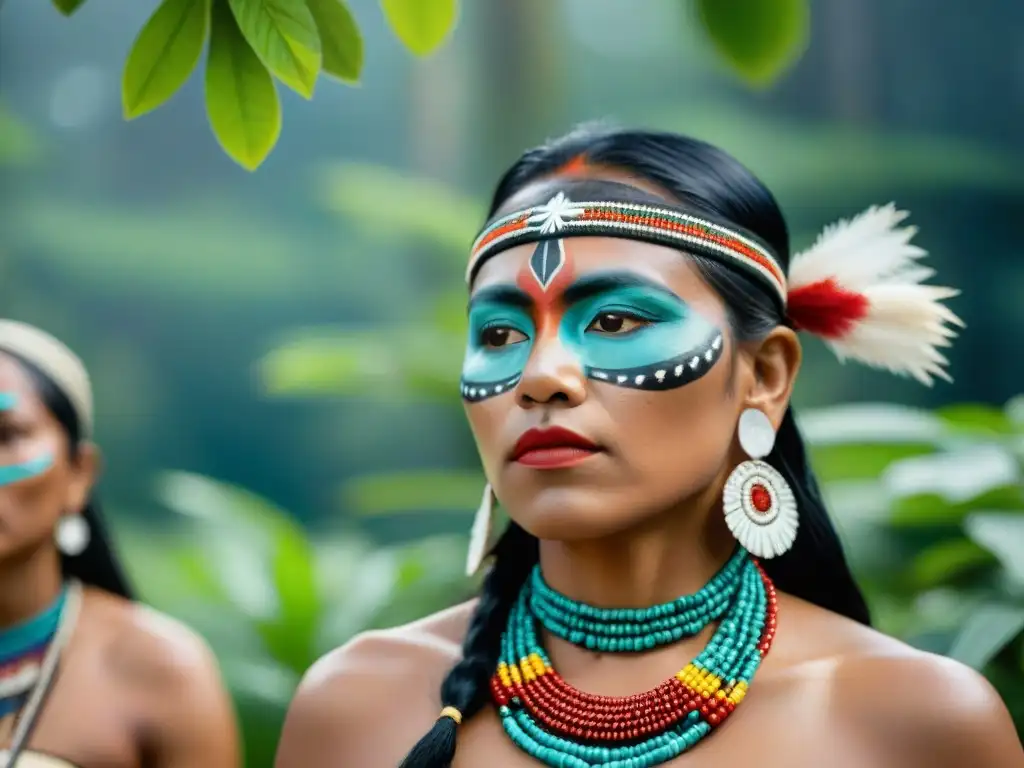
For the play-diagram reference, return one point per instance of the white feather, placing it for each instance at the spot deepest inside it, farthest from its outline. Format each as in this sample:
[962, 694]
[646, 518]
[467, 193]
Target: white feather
[906, 324]
[480, 534]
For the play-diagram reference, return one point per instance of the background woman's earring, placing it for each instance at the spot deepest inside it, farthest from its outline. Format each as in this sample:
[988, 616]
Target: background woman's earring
[72, 535]
[759, 505]
[480, 534]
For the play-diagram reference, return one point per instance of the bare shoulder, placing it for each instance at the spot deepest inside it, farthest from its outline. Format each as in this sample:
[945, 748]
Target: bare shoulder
[141, 642]
[913, 707]
[380, 683]
[170, 678]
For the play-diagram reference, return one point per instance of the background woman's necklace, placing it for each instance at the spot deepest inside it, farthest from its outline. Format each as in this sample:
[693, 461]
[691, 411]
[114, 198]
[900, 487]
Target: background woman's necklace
[32, 651]
[566, 728]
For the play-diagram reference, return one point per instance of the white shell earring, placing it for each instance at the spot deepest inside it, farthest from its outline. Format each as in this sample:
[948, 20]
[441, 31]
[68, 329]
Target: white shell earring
[759, 505]
[72, 535]
[480, 533]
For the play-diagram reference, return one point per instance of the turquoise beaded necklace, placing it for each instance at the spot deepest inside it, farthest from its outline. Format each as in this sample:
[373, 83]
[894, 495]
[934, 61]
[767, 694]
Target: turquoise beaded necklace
[566, 728]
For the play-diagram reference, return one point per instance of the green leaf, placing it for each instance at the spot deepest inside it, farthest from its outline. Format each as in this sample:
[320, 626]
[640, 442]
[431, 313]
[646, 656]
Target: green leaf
[760, 39]
[1003, 536]
[976, 418]
[987, 631]
[946, 486]
[418, 209]
[421, 25]
[283, 34]
[431, 491]
[256, 542]
[947, 562]
[871, 424]
[164, 55]
[861, 462]
[241, 99]
[171, 251]
[340, 41]
[67, 7]
[19, 145]
[1014, 411]
[381, 363]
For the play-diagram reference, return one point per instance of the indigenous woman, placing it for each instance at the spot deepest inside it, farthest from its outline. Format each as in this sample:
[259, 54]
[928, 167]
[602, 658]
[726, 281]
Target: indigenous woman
[669, 590]
[88, 678]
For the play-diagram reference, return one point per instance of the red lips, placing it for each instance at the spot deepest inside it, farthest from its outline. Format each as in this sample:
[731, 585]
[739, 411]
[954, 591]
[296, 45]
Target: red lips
[552, 448]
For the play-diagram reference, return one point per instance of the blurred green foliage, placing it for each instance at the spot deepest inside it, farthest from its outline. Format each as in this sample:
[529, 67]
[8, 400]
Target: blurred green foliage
[253, 44]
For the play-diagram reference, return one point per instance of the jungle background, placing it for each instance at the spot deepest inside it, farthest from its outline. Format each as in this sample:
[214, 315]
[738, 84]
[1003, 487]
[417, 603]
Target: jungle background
[275, 353]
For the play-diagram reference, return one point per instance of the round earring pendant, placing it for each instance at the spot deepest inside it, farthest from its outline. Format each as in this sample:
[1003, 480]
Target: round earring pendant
[72, 535]
[760, 509]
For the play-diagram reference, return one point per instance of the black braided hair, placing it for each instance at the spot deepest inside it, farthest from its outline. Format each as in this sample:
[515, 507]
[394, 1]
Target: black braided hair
[704, 179]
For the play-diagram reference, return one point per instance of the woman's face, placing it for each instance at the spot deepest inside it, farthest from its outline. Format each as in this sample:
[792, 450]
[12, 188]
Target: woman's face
[624, 345]
[39, 482]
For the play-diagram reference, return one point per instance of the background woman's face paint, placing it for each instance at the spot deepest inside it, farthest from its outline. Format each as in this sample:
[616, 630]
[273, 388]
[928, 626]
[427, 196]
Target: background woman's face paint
[14, 473]
[622, 328]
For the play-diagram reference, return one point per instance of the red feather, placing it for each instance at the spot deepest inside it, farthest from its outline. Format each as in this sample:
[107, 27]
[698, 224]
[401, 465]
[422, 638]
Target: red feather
[825, 309]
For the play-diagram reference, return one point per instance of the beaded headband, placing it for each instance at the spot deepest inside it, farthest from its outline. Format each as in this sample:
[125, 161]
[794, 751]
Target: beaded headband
[859, 287]
[561, 217]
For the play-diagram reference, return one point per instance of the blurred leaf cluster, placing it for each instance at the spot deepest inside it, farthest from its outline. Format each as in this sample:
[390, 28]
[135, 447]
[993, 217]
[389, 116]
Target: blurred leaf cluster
[931, 507]
[252, 45]
[269, 597]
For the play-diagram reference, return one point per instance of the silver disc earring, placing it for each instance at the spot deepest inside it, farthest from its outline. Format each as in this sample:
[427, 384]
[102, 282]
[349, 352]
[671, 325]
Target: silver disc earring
[759, 505]
[480, 533]
[72, 535]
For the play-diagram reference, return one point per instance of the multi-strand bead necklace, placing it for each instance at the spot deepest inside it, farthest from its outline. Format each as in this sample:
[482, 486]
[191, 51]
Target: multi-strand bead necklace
[566, 728]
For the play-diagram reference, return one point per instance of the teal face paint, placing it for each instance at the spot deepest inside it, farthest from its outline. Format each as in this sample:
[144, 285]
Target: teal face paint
[500, 330]
[622, 328]
[15, 473]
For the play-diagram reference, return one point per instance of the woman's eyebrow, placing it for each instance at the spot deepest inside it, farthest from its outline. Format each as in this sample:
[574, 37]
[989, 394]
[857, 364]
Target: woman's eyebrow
[601, 282]
[501, 294]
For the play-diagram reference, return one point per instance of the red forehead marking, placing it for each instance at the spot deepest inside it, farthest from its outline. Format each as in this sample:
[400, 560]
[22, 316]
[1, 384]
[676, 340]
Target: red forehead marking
[547, 300]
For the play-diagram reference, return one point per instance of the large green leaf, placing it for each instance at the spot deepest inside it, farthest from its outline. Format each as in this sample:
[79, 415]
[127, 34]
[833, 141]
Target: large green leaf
[427, 491]
[340, 40]
[212, 250]
[1003, 536]
[948, 562]
[944, 487]
[164, 55]
[987, 631]
[258, 548]
[241, 99]
[284, 35]
[416, 208]
[421, 25]
[384, 363]
[977, 418]
[871, 424]
[760, 39]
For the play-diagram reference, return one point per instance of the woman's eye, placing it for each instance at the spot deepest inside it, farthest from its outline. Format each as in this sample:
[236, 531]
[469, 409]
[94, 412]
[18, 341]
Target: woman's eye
[500, 336]
[615, 323]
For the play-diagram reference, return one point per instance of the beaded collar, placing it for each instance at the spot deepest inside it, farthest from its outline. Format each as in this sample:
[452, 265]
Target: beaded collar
[22, 648]
[563, 727]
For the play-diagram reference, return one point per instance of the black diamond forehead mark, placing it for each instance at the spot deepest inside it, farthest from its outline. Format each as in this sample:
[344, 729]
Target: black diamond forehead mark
[547, 261]
[667, 374]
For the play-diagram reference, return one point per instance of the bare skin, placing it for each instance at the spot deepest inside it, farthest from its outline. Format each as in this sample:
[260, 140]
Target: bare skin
[638, 524]
[135, 689]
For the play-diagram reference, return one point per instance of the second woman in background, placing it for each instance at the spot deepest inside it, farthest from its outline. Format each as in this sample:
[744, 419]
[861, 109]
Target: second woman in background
[88, 677]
